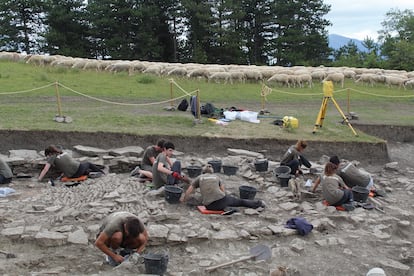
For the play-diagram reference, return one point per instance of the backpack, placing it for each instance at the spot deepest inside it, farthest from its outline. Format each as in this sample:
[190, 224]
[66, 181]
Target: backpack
[207, 109]
[183, 105]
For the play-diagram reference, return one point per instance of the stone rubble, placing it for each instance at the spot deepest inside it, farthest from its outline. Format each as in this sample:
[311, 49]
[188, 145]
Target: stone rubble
[66, 220]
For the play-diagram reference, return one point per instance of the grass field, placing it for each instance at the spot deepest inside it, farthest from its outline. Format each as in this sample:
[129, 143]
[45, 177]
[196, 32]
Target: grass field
[101, 101]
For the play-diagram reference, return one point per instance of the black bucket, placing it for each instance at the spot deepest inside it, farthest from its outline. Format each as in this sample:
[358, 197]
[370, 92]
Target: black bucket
[229, 170]
[216, 164]
[247, 192]
[360, 194]
[281, 170]
[261, 165]
[172, 194]
[194, 171]
[155, 263]
[284, 179]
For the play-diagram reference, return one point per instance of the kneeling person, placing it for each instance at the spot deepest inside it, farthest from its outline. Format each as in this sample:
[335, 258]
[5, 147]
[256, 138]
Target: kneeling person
[121, 230]
[213, 193]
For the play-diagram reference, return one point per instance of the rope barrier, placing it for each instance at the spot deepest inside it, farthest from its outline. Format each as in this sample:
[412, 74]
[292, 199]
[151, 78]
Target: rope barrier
[112, 102]
[385, 96]
[187, 93]
[343, 90]
[27, 91]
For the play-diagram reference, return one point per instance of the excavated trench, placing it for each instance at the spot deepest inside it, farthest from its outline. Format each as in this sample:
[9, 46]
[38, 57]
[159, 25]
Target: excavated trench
[367, 153]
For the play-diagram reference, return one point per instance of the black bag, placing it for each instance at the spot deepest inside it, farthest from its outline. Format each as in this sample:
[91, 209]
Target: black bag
[183, 105]
[208, 109]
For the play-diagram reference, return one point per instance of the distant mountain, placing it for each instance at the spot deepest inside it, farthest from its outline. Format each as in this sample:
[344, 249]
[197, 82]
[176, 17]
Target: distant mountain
[337, 41]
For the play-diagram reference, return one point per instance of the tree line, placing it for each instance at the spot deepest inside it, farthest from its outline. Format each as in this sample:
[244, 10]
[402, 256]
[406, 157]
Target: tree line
[255, 32]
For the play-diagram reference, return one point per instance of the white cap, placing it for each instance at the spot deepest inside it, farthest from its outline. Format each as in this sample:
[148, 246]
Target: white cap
[376, 271]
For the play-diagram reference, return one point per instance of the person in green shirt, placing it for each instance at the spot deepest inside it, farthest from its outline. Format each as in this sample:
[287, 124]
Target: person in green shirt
[63, 162]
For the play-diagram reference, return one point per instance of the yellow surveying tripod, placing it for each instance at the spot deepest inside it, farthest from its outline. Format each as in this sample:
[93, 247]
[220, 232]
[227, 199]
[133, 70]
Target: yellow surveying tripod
[328, 94]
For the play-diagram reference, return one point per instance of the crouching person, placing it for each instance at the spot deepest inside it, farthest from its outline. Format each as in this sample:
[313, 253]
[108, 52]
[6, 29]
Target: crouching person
[334, 190]
[213, 194]
[120, 235]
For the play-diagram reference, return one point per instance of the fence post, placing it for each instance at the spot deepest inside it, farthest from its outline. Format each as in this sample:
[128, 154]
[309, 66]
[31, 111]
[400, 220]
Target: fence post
[59, 106]
[198, 104]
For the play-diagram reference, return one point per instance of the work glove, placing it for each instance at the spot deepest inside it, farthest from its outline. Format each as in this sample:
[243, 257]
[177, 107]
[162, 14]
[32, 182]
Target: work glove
[176, 175]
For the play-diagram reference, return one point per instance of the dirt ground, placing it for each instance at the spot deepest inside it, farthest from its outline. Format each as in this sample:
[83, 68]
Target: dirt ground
[341, 243]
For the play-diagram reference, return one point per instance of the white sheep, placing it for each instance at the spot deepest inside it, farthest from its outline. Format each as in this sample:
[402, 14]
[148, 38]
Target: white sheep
[282, 79]
[303, 79]
[350, 74]
[367, 78]
[199, 72]
[335, 78]
[65, 62]
[219, 76]
[36, 60]
[9, 56]
[238, 76]
[409, 83]
[253, 75]
[119, 66]
[318, 75]
[79, 64]
[94, 65]
[392, 80]
[154, 69]
[137, 66]
[177, 71]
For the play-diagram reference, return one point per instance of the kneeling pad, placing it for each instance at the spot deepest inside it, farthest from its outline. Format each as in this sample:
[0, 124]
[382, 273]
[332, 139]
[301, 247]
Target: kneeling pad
[76, 179]
[204, 210]
[339, 208]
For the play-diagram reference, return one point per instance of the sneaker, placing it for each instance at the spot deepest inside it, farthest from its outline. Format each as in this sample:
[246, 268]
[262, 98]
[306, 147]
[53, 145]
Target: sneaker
[135, 171]
[348, 206]
[262, 204]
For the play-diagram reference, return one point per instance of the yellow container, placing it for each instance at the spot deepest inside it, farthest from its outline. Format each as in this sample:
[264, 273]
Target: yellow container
[289, 121]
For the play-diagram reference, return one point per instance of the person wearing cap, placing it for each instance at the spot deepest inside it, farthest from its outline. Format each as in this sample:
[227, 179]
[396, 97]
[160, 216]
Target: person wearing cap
[121, 234]
[213, 193]
[163, 173]
[334, 189]
[148, 159]
[6, 173]
[294, 159]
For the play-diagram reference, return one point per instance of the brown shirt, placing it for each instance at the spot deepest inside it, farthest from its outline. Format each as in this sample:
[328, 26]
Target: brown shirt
[209, 185]
[331, 188]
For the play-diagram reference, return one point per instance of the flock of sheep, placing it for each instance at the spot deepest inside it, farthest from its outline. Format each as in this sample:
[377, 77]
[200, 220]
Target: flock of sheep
[297, 76]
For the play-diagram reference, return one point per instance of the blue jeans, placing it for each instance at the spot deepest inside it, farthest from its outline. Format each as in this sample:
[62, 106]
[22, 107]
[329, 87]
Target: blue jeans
[176, 167]
[4, 180]
[346, 198]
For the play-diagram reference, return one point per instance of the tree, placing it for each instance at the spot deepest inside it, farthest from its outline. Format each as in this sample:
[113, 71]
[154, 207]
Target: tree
[226, 43]
[21, 25]
[67, 29]
[348, 55]
[256, 30]
[370, 58]
[299, 35]
[198, 20]
[397, 37]
[127, 29]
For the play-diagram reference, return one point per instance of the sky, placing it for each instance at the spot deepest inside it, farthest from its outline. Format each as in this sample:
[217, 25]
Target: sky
[359, 19]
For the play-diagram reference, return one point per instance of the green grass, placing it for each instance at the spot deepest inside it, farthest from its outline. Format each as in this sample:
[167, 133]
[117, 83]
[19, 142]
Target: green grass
[126, 104]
